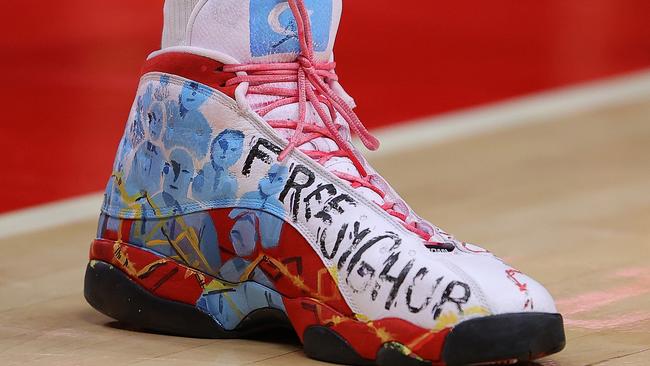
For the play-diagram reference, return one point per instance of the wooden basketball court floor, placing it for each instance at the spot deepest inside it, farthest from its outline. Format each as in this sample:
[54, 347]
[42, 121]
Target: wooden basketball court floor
[567, 200]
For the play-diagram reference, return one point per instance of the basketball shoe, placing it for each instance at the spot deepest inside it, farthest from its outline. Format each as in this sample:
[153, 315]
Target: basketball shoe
[237, 204]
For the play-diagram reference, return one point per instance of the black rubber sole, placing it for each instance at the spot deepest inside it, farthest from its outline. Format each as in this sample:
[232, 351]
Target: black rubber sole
[113, 293]
[495, 339]
[518, 336]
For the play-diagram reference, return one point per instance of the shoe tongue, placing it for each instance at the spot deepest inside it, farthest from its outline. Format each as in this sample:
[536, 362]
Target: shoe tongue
[254, 31]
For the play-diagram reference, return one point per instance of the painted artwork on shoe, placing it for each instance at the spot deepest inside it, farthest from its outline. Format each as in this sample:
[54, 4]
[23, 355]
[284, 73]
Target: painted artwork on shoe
[178, 222]
[187, 126]
[273, 27]
[214, 180]
[148, 160]
[258, 223]
[238, 199]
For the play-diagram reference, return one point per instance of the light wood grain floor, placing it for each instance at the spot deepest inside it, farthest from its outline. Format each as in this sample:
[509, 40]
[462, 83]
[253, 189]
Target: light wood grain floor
[566, 200]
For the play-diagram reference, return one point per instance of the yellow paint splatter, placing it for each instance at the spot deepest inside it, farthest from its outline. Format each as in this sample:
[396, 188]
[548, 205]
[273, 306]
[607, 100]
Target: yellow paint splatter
[216, 285]
[334, 272]
[362, 317]
[383, 334]
[449, 319]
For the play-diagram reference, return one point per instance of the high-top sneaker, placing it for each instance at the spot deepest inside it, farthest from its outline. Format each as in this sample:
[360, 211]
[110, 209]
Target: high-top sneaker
[237, 203]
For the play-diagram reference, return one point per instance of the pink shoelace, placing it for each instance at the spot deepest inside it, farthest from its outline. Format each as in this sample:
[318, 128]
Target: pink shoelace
[312, 88]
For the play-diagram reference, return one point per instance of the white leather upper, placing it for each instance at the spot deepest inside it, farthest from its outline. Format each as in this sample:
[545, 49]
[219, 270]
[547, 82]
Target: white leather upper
[383, 270]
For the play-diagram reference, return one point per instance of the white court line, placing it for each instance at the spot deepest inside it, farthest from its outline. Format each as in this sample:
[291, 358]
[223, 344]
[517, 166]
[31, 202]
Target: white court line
[535, 108]
[51, 215]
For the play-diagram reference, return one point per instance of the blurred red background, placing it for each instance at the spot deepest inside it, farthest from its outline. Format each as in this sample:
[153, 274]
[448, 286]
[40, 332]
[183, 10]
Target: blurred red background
[70, 69]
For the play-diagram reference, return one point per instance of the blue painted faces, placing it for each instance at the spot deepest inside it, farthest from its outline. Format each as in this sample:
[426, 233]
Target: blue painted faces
[191, 98]
[226, 149]
[177, 174]
[273, 183]
[155, 119]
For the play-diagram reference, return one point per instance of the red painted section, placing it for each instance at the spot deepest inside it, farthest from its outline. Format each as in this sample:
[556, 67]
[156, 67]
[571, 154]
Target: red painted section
[161, 276]
[366, 338]
[172, 280]
[295, 270]
[69, 70]
[202, 69]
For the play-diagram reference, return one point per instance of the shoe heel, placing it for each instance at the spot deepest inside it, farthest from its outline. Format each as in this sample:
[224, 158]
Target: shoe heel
[113, 293]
